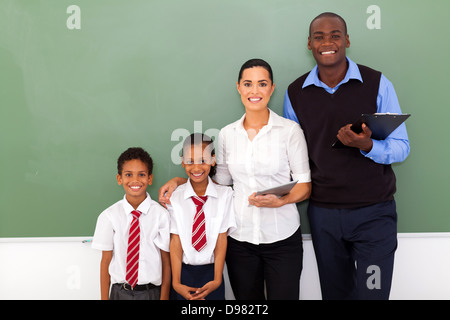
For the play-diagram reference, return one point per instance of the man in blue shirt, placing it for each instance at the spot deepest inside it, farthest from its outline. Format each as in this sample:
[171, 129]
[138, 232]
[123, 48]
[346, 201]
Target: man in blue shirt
[396, 147]
[352, 210]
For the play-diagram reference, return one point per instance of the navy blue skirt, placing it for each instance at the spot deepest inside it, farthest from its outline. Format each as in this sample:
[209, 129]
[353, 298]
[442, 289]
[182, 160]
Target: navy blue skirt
[198, 276]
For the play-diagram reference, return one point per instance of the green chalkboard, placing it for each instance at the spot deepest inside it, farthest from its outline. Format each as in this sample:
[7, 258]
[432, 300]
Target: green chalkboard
[80, 84]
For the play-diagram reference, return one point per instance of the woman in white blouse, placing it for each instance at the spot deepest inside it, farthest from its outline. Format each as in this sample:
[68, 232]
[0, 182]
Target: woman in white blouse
[259, 151]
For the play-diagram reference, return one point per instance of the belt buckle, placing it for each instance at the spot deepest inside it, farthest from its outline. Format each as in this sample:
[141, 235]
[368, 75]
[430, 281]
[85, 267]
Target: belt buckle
[124, 285]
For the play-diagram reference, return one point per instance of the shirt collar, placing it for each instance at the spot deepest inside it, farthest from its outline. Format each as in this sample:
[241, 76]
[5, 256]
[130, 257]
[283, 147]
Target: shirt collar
[274, 120]
[143, 207]
[352, 73]
[211, 190]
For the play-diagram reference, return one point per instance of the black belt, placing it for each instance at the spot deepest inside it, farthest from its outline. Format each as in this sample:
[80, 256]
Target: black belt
[139, 287]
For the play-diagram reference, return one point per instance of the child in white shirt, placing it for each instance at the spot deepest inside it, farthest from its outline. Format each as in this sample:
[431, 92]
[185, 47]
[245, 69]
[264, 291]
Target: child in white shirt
[198, 259]
[112, 235]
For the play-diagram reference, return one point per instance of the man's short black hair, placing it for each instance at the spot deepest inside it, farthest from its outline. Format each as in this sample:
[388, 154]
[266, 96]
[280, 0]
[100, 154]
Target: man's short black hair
[132, 154]
[328, 15]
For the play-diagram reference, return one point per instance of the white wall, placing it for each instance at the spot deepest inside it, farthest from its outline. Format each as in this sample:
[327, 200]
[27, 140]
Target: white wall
[66, 268]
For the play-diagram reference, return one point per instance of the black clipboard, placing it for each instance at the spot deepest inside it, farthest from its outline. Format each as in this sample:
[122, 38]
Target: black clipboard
[381, 124]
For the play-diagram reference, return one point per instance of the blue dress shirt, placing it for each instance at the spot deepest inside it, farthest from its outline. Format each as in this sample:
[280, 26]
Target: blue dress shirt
[394, 148]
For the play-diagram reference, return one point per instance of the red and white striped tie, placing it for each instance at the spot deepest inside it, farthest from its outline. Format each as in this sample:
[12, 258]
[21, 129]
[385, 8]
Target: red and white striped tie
[133, 250]
[198, 227]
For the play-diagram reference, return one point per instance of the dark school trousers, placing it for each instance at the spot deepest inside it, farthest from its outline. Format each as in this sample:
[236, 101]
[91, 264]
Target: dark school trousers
[197, 277]
[120, 292]
[355, 250]
[277, 264]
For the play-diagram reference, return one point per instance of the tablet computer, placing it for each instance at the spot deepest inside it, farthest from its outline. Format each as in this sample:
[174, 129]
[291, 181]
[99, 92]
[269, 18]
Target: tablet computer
[280, 190]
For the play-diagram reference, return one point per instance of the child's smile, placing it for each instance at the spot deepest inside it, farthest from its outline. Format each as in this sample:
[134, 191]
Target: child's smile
[197, 162]
[136, 188]
[197, 175]
[135, 179]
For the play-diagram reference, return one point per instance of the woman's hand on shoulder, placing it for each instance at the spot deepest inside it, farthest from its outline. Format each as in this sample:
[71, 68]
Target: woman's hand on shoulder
[165, 192]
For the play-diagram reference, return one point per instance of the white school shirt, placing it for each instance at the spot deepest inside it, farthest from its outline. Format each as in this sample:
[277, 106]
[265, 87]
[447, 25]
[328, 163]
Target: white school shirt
[277, 153]
[219, 218]
[111, 233]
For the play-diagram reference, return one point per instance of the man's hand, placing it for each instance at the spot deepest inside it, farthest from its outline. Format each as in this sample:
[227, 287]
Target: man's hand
[361, 140]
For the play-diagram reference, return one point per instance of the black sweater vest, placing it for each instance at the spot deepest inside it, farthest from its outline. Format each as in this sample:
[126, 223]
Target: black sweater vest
[341, 177]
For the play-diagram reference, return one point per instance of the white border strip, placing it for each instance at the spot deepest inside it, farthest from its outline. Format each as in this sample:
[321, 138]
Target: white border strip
[416, 235]
[424, 235]
[87, 239]
[306, 237]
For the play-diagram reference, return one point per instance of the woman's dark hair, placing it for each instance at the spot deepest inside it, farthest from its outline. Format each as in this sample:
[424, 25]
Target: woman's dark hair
[252, 63]
[200, 138]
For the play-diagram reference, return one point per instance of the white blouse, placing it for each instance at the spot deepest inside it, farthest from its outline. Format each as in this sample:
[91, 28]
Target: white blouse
[277, 153]
[219, 218]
